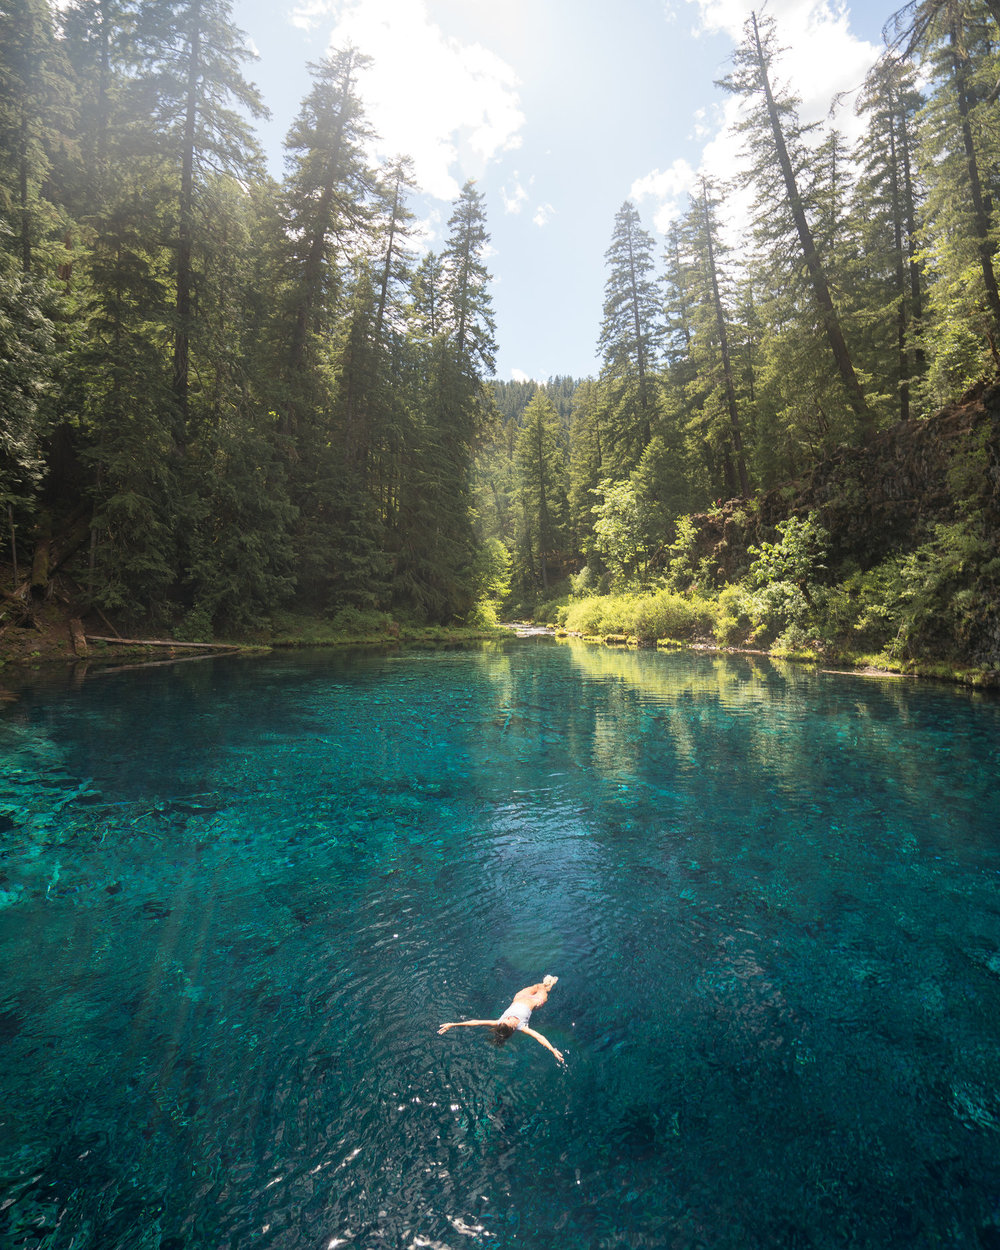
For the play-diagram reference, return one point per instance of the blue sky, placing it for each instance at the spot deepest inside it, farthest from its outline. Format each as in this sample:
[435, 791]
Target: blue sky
[561, 110]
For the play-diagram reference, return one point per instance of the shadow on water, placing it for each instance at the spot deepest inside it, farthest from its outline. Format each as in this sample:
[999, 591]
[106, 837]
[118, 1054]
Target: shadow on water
[237, 898]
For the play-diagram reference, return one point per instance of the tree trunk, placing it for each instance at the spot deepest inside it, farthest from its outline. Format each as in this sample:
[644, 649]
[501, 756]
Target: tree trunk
[543, 507]
[980, 215]
[910, 204]
[900, 274]
[640, 356]
[720, 320]
[817, 276]
[185, 231]
[13, 539]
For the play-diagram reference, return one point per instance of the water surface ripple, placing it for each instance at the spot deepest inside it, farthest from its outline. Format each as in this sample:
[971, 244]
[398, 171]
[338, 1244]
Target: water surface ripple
[237, 898]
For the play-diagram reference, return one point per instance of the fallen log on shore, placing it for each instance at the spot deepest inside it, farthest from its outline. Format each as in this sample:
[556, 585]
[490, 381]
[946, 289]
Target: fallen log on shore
[165, 642]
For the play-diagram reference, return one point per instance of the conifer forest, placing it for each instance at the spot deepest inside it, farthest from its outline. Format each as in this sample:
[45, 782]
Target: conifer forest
[227, 397]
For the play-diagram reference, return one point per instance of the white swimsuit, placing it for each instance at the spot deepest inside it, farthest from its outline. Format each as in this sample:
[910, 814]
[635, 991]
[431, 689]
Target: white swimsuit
[521, 1010]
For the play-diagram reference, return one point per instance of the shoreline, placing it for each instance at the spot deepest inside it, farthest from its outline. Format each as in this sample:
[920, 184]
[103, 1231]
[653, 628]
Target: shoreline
[835, 665]
[49, 644]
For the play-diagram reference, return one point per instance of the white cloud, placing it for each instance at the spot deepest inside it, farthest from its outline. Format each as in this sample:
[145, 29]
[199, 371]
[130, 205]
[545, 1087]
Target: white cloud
[518, 375]
[668, 188]
[514, 198]
[821, 57]
[452, 107]
[543, 214]
[308, 14]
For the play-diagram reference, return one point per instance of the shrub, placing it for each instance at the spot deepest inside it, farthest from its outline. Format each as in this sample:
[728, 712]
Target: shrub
[490, 583]
[550, 611]
[583, 583]
[732, 617]
[783, 575]
[667, 614]
[862, 611]
[648, 617]
[796, 558]
[599, 614]
[681, 564]
[947, 589]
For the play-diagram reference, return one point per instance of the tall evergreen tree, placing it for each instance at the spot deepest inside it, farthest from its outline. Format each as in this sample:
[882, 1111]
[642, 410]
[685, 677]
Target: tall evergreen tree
[713, 274]
[25, 351]
[541, 464]
[191, 55]
[120, 380]
[323, 337]
[37, 97]
[99, 40]
[328, 189]
[435, 532]
[892, 299]
[587, 466]
[772, 129]
[466, 283]
[960, 154]
[630, 339]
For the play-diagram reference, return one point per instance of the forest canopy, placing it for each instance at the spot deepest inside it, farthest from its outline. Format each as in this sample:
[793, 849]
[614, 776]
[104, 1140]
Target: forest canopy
[227, 395]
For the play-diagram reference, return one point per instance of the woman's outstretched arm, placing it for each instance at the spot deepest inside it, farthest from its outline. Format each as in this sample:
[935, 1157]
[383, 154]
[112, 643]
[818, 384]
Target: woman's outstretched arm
[545, 1042]
[457, 1024]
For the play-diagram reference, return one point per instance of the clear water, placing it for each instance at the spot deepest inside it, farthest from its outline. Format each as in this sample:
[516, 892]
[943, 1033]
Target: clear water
[239, 896]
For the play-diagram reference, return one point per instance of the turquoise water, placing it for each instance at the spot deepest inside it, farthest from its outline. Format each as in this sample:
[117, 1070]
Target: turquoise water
[237, 898]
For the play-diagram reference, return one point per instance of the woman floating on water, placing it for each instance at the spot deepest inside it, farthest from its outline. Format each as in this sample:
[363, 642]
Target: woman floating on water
[515, 1018]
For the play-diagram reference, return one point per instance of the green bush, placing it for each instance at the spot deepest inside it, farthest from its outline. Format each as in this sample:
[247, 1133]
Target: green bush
[861, 613]
[490, 584]
[550, 611]
[797, 557]
[733, 623]
[783, 576]
[584, 583]
[196, 626]
[667, 614]
[598, 614]
[648, 617]
[682, 567]
[948, 587]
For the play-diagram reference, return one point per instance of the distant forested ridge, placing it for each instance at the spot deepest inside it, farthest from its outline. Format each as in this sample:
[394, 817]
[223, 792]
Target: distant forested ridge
[226, 396]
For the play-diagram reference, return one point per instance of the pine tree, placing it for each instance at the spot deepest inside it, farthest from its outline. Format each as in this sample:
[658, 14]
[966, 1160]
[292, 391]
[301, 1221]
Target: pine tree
[587, 464]
[773, 132]
[630, 338]
[701, 396]
[541, 465]
[240, 564]
[120, 379]
[26, 340]
[191, 54]
[435, 533]
[959, 154]
[37, 99]
[324, 342]
[470, 307]
[892, 297]
[732, 408]
[99, 41]
[328, 190]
